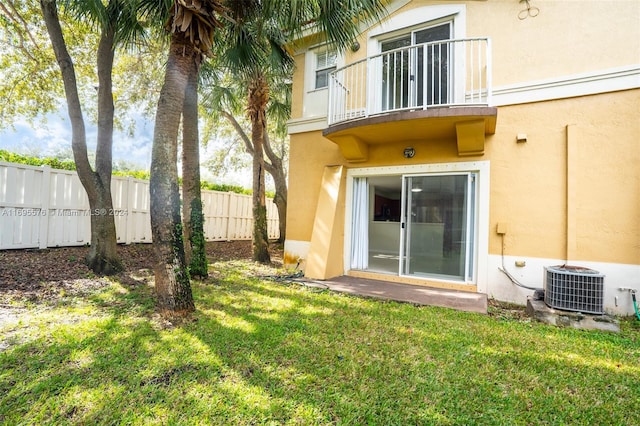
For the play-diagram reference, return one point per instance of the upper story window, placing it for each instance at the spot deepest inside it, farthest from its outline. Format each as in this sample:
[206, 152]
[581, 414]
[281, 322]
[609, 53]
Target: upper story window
[326, 61]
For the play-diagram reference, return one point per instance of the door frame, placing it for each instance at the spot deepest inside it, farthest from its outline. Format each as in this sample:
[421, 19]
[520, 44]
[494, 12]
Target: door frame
[413, 76]
[481, 246]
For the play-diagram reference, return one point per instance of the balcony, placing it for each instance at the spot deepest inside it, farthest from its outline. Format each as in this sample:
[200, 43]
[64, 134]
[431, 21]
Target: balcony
[421, 92]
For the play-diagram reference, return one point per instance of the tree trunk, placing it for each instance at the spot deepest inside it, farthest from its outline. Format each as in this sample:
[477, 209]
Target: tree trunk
[192, 215]
[172, 278]
[280, 200]
[276, 170]
[258, 97]
[102, 257]
[274, 167]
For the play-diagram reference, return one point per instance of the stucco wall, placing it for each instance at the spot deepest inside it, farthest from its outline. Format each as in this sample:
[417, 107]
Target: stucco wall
[566, 38]
[571, 192]
[528, 180]
[309, 153]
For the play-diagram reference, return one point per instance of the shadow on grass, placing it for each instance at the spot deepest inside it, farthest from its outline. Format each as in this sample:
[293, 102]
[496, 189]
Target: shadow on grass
[259, 352]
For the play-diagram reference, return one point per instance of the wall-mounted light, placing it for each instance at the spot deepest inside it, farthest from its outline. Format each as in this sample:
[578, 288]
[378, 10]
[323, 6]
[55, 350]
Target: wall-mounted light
[355, 46]
[409, 152]
[521, 137]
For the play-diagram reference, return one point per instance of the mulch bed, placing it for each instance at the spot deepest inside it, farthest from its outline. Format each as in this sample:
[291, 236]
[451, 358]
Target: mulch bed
[27, 271]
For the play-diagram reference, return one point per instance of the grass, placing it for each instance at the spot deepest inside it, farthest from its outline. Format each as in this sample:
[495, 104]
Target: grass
[258, 351]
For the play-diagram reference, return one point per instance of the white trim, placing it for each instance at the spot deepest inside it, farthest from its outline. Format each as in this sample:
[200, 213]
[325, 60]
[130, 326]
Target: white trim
[484, 174]
[591, 83]
[532, 275]
[307, 124]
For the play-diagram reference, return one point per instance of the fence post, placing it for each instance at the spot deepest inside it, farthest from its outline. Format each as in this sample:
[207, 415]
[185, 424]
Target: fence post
[227, 206]
[43, 239]
[129, 210]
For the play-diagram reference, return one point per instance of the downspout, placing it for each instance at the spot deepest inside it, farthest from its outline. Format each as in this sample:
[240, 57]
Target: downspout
[571, 248]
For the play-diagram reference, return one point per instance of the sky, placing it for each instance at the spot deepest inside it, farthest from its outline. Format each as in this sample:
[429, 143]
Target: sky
[54, 136]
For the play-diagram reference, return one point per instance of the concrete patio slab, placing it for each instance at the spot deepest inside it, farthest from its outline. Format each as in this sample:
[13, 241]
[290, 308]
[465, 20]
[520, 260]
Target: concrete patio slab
[408, 293]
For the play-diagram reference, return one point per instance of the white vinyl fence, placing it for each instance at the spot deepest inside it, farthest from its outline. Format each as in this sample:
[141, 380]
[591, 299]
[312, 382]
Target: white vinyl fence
[42, 207]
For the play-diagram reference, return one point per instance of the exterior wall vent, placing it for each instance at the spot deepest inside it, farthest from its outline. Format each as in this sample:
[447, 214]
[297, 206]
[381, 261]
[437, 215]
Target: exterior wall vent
[574, 288]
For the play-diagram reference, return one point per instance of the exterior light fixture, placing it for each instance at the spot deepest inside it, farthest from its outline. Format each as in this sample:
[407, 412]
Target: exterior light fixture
[355, 46]
[409, 152]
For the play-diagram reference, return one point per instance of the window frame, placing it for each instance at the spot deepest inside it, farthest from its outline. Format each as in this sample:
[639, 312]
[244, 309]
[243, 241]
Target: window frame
[324, 70]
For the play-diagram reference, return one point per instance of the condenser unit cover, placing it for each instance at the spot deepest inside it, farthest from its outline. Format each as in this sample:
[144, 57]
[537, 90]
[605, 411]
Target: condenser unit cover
[574, 288]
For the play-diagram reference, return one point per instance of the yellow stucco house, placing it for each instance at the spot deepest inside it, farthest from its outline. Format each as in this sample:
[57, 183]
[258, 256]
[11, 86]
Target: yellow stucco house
[457, 140]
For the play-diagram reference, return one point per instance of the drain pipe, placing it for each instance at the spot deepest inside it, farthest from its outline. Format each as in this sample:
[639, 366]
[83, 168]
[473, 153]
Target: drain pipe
[633, 299]
[538, 292]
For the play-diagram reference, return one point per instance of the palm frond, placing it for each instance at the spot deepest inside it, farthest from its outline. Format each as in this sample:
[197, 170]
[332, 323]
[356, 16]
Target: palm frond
[339, 21]
[198, 20]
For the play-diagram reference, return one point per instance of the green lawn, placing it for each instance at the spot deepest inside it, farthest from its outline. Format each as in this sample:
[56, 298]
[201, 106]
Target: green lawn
[260, 351]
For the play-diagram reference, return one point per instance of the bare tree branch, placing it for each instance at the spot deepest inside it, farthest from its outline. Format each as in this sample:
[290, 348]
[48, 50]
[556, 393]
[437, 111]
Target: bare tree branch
[243, 135]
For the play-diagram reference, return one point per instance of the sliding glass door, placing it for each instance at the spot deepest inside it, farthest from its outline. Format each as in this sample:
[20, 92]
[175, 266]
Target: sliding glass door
[415, 225]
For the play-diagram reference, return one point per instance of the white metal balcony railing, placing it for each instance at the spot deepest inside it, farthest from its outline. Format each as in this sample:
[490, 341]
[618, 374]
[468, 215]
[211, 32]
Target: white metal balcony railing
[442, 73]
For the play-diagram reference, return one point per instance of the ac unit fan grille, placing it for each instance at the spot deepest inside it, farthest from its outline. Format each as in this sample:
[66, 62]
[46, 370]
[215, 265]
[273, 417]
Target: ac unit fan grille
[574, 289]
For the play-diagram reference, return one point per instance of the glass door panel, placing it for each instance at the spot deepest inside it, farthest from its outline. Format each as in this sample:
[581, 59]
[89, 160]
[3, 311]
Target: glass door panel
[395, 74]
[435, 233]
[415, 75]
[415, 225]
[384, 226]
[432, 70]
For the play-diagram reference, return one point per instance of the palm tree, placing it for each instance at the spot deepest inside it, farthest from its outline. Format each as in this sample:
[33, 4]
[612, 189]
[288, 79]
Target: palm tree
[252, 48]
[223, 92]
[279, 109]
[192, 214]
[192, 24]
[118, 23]
[255, 50]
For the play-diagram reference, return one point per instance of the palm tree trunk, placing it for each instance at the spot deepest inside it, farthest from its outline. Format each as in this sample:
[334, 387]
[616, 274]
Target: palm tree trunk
[192, 215]
[172, 279]
[102, 258]
[258, 97]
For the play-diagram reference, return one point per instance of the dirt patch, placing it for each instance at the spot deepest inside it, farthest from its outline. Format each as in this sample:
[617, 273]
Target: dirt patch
[507, 311]
[41, 274]
[40, 279]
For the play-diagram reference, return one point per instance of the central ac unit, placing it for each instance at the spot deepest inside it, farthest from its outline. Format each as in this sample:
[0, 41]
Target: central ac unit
[574, 288]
